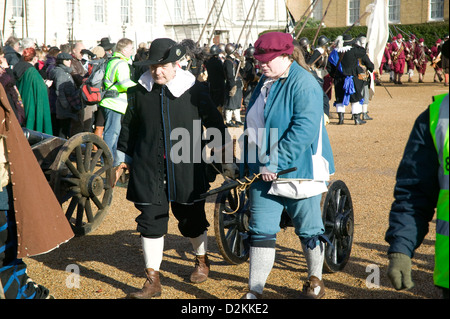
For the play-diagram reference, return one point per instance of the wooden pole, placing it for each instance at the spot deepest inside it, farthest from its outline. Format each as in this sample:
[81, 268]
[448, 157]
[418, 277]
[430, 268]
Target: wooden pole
[357, 21]
[215, 24]
[4, 16]
[206, 22]
[248, 16]
[304, 15]
[25, 16]
[245, 22]
[306, 21]
[251, 25]
[23, 19]
[45, 22]
[321, 21]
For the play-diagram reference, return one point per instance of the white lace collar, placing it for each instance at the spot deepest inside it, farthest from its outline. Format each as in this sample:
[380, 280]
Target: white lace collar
[182, 82]
[344, 49]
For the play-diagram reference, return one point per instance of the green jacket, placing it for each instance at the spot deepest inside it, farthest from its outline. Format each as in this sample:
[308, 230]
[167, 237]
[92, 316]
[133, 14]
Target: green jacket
[34, 93]
[118, 78]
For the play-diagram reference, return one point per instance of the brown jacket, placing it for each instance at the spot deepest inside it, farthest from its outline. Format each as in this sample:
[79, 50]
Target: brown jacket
[41, 223]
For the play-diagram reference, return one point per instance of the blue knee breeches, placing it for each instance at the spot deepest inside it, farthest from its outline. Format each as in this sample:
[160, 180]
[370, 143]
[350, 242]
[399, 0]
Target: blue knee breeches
[266, 213]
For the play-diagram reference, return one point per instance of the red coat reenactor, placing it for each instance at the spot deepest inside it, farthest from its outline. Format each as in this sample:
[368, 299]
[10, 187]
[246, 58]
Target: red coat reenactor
[421, 59]
[397, 51]
[436, 61]
[410, 47]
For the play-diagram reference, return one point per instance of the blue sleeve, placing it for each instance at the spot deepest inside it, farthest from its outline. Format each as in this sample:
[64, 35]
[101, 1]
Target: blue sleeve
[303, 128]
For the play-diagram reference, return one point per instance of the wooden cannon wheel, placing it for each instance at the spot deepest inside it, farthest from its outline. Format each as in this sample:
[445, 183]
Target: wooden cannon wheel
[337, 213]
[81, 176]
[230, 229]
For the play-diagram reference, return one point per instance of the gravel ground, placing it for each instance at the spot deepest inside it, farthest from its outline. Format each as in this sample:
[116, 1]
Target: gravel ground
[110, 259]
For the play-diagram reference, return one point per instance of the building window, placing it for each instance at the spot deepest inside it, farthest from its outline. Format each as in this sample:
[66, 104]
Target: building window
[17, 8]
[436, 9]
[99, 9]
[353, 11]
[149, 11]
[125, 11]
[177, 8]
[394, 11]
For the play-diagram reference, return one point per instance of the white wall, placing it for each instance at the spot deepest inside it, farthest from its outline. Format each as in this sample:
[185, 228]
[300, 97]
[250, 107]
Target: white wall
[270, 15]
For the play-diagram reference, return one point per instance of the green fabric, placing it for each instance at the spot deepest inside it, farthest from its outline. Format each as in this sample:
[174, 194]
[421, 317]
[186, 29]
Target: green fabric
[439, 126]
[399, 271]
[34, 93]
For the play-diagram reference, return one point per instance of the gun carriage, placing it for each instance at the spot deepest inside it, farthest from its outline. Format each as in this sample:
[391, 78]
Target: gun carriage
[232, 213]
[80, 171]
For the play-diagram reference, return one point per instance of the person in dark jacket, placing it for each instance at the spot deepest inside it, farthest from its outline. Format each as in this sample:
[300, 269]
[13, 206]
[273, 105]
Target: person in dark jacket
[68, 102]
[9, 84]
[216, 76]
[421, 189]
[167, 103]
[416, 195]
[233, 86]
[343, 67]
[50, 64]
[11, 50]
[249, 75]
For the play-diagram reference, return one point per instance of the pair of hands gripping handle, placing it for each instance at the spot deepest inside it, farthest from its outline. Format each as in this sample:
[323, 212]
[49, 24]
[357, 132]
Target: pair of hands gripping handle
[235, 183]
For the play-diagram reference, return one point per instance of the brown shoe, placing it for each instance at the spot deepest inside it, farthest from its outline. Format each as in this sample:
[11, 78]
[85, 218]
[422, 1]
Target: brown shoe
[152, 286]
[201, 270]
[313, 288]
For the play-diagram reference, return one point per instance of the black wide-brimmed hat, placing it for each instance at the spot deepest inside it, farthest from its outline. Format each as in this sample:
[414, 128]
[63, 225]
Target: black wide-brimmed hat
[162, 51]
[106, 44]
[348, 40]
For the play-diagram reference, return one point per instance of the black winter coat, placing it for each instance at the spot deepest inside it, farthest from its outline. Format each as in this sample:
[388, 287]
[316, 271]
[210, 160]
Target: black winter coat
[145, 136]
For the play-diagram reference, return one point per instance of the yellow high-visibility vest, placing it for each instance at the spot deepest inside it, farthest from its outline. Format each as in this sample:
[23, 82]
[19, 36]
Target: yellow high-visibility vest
[439, 117]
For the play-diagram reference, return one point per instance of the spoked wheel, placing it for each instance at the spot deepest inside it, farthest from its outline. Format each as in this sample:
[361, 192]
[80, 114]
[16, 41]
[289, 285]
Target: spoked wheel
[338, 219]
[81, 180]
[231, 229]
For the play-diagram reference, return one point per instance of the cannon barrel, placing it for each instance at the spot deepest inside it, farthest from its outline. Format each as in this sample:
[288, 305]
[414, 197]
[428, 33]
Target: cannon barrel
[35, 137]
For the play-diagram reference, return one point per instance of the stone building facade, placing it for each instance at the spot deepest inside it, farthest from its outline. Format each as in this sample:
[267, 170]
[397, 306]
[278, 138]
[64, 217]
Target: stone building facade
[56, 21]
[343, 13]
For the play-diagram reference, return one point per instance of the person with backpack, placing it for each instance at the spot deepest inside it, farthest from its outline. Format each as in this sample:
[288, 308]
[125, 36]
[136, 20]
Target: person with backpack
[99, 120]
[114, 105]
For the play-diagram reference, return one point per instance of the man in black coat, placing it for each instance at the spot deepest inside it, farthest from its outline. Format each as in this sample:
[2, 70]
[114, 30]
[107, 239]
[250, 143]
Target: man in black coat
[343, 66]
[166, 170]
[216, 76]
